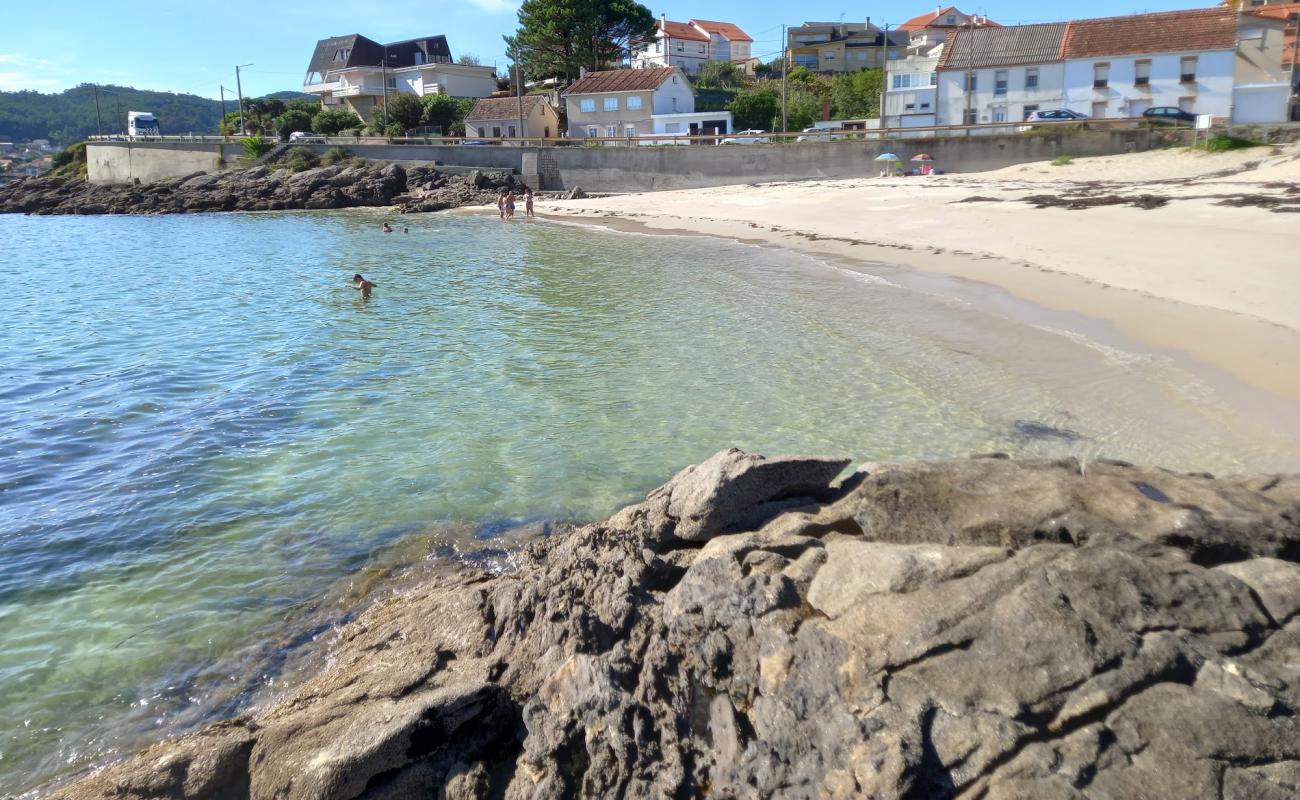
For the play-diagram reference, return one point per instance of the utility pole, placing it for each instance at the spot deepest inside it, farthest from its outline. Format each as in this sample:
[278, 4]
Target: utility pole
[99, 124]
[519, 94]
[383, 66]
[1295, 53]
[223, 109]
[239, 89]
[785, 70]
[884, 71]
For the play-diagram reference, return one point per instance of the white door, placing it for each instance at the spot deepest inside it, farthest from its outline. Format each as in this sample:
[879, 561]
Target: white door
[1136, 107]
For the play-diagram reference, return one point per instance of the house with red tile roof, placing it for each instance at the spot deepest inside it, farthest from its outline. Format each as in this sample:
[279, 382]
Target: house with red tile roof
[690, 45]
[1290, 14]
[637, 103]
[933, 28]
[1205, 61]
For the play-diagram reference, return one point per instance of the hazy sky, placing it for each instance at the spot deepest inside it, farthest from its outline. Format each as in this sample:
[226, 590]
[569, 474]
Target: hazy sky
[194, 47]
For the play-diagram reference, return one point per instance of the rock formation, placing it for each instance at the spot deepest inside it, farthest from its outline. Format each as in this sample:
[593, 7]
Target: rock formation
[988, 628]
[261, 188]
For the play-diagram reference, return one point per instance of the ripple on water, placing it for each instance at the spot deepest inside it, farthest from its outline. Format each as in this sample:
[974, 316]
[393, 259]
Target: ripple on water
[202, 428]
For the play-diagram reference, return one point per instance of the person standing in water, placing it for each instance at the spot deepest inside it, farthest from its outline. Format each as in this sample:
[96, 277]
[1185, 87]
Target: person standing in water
[362, 285]
[501, 204]
[388, 228]
[510, 205]
[528, 202]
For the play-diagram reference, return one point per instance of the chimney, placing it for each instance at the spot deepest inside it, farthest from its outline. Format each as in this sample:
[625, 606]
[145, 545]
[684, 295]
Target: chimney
[582, 72]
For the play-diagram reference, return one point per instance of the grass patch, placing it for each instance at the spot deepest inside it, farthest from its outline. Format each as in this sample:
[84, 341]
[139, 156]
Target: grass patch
[1062, 161]
[1222, 144]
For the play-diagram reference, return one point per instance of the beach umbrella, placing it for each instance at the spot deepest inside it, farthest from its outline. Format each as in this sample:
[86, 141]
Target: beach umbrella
[922, 157]
[888, 157]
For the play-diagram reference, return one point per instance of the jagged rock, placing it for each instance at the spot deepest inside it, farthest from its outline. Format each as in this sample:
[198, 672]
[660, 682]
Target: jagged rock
[990, 627]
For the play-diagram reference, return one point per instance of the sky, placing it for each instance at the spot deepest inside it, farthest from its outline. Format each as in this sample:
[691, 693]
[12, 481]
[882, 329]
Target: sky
[194, 47]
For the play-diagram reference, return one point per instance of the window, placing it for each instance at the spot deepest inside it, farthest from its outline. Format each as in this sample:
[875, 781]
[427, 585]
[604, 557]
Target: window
[1099, 110]
[419, 56]
[587, 105]
[934, 79]
[1031, 79]
[1000, 82]
[674, 104]
[951, 19]
[631, 131]
[593, 132]
[1027, 111]
[925, 106]
[673, 127]
[909, 107]
[392, 83]
[546, 132]
[1100, 75]
[611, 131]
[902, 81]
[700, 48]
[1000, 114]
[658, 46]
[862, 56]
[681, 47]
[805, 61]
[609, 104]
[1187, 104]
[828, 56]
[968, 118]
[1142, 72]
[511, 132]
[634, 102]
[1187, 69]
[496, 132]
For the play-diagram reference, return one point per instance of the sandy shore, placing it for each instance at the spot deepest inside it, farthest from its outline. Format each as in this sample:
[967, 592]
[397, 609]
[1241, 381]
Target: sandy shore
[1211, 271]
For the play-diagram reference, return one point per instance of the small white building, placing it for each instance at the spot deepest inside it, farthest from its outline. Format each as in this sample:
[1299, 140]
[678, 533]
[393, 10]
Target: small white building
[626, 103]
[1205, 61]
[912, 90]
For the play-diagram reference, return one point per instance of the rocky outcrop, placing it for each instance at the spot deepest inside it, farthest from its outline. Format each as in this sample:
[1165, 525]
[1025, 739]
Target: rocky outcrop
[981, 628]
[261, 188]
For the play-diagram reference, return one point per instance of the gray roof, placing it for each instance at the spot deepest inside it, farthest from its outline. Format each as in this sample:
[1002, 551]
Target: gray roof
[1002, 47]
[363, 52]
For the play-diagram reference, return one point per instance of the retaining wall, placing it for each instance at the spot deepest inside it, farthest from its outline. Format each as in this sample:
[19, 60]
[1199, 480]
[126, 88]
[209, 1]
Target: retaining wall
[635, 169]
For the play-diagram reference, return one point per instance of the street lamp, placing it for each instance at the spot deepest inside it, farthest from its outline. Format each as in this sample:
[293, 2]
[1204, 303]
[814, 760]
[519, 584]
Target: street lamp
[239, 88]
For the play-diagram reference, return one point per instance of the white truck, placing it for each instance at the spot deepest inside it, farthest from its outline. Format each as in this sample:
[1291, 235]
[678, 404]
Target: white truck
[141, 123]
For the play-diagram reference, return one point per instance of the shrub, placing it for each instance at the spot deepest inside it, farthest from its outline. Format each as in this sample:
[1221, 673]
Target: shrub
[1222, 143]
[298, 159]
[333, 120]
[70, 161]
[404, 110]
[754, 109]
[349, 132]
[291, 121]
[334, 155]
[1061, 161]
[255, 146]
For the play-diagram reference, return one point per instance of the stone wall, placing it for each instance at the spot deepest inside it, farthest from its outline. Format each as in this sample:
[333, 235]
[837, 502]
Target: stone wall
[636, 169]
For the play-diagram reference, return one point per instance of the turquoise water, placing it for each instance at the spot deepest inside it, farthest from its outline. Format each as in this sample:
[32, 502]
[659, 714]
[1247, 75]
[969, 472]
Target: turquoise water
[202, 428]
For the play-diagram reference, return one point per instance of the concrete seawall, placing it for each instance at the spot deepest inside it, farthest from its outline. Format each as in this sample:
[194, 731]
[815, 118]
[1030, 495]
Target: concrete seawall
[636, 169]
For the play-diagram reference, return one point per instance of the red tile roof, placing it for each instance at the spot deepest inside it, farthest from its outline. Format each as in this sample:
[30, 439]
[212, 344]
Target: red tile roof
[681, 30]
[930, 20]
[726, 30]
[621, 80]
[1169, 32]
[503, 107]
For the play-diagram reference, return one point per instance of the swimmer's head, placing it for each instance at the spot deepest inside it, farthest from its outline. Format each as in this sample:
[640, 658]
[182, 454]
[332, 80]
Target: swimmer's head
[358, 277]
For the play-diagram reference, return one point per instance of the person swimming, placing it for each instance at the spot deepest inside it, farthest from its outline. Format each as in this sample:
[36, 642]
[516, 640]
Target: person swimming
[388, 228]
[363, 285]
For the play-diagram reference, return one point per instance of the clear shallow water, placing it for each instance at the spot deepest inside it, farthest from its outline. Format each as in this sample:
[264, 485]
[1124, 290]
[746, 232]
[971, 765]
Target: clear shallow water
[201, 428]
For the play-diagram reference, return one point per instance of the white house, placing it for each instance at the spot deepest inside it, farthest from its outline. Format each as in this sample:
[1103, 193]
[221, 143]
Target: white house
[1205, 61]
[912, 90]
[628, 103]
[691, 45]
[357, 73]
[1011, 71]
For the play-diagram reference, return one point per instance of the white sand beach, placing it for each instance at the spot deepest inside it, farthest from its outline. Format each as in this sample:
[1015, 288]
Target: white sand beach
[1212, 271]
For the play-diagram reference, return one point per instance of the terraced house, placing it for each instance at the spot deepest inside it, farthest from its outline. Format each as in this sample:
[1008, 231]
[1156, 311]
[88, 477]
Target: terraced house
[690, 45]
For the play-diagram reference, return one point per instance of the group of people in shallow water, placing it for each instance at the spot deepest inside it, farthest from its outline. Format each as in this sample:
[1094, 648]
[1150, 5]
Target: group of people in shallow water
[505, 208]
[506, 204]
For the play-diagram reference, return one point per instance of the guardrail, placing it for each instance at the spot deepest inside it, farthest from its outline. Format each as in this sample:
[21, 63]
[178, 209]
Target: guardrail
[668, 139]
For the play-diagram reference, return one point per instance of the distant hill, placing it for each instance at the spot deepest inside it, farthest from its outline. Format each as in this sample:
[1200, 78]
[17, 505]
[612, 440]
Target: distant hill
[69, 116]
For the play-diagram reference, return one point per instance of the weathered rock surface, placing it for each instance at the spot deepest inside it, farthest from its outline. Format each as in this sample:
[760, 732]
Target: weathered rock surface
[261, 189]
[983, 628]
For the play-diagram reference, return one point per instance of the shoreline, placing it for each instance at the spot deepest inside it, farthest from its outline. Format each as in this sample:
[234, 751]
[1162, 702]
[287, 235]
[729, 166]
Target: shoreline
[1256, 350]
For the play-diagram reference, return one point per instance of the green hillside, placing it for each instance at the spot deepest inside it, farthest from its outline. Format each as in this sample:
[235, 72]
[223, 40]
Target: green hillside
[69, 116]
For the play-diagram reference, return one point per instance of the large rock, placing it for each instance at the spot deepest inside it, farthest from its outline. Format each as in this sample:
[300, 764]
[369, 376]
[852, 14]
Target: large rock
[986, 628]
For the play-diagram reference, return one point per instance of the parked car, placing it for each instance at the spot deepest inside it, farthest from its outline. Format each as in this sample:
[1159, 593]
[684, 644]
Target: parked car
[815, 134]
[1168, 114]
[306, 137]
[1055, 114]
[746, 137]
